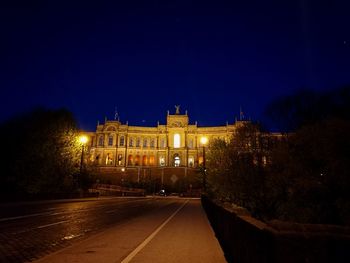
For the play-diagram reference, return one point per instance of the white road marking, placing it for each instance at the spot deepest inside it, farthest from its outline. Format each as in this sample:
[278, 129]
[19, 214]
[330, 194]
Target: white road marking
[25, 216]
[53, 224]
[150, 237]
[66, 212]
[38, 227]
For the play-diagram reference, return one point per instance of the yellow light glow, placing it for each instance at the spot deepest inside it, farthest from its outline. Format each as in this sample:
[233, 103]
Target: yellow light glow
[176, 140]
[83, 139]
[204, 140]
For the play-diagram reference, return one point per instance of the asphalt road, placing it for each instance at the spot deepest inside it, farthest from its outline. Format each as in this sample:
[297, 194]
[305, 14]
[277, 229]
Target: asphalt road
[29, 231]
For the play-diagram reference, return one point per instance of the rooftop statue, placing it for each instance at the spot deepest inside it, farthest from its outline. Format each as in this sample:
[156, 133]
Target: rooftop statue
[177, 107]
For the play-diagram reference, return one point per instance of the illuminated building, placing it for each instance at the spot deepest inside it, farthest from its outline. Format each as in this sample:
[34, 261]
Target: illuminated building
[175, 144]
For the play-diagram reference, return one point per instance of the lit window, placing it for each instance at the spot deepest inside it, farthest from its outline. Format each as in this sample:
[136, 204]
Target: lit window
[121, 143]
[109, 159]
[144, 160]
[162, 143]
[264, 160]
[151, 160]
[190, 161]
[177, 161]
[130, 160]
[120, 157]
[110, 140]
[137, 160]
[162, 161]
[200, 160]
[176, 140]
[100, 141]
[190, 144]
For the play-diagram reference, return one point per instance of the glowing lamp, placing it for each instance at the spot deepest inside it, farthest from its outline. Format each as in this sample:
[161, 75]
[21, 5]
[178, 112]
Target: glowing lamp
[83, 139]
[204, 140]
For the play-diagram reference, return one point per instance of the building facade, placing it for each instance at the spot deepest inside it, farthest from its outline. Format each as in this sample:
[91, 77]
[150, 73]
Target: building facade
[175, 144]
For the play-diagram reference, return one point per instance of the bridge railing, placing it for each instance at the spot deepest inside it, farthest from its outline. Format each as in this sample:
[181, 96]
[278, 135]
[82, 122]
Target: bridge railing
[246, 239]
[110, 189]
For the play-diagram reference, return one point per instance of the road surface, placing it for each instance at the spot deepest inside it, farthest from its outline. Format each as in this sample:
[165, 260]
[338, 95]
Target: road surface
[108, 230]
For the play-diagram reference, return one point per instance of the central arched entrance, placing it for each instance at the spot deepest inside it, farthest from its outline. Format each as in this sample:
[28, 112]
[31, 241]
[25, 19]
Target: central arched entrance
[177, 160]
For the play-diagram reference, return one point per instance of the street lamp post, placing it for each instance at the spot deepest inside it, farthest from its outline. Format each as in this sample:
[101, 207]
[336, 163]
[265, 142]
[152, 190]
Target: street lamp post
[204, 141]
[83, 140]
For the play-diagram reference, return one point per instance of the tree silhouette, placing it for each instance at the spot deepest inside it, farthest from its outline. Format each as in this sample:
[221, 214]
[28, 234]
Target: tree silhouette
[41, 153]
[306, 175]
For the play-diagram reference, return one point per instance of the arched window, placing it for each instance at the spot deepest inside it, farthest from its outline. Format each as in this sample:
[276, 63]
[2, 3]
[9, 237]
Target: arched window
[161, 161]
[177, 140]
[152, 143]
[190, 144]
[120, 158]
[100, 141]
[137, 160]
[176, 160]
[97, 159]
[110, 140]
[109, 159]
[130, 160]
[200, 160]
[151, 160]
[162, 143]
[131, 142]
[122, 141]
[145, 142]
[144, 160]
[190, 161]
[138, 142]
[264, 160]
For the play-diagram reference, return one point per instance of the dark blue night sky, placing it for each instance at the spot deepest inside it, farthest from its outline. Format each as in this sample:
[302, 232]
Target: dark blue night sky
[143, 57]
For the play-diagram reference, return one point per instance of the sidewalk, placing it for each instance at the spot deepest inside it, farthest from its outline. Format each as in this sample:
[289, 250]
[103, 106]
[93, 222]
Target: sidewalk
[181, 235]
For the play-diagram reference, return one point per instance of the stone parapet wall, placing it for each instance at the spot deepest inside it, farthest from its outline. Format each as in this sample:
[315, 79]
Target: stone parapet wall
[246, 239]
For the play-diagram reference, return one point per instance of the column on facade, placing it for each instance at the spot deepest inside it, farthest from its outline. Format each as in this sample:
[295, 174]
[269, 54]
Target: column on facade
[196, 145]
[157, 149]
[186, 147]
[168, 148]
[116, 148]
[126, 141]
